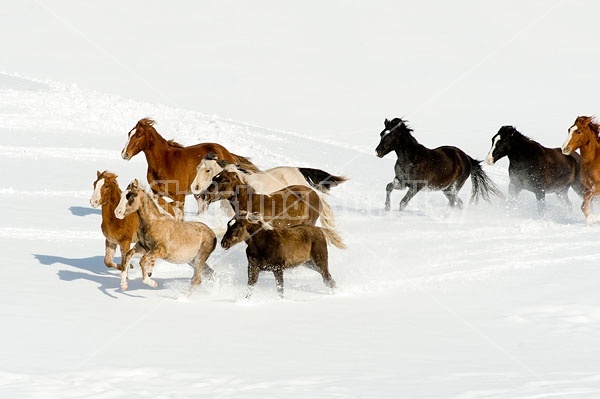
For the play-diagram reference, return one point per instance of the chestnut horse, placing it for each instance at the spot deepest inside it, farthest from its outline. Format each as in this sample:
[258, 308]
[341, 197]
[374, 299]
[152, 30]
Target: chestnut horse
[121, 232]
[171, 166]
[584, 135]
[291, 206]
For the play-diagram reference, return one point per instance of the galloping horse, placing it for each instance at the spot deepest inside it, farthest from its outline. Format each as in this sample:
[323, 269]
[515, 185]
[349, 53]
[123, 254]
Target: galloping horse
[263, 182]
[536, 168]
[278, 249]
[444, 168]
[163, 237]
[291, 206]
[171, 166]
[121, 232]
[584, 135]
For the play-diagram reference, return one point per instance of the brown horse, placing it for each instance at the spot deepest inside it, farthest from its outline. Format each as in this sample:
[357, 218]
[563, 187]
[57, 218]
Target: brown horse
[162, 237]
[121, 232]
[291, 206]
[278, 249]
[584, 135]
[171, 166]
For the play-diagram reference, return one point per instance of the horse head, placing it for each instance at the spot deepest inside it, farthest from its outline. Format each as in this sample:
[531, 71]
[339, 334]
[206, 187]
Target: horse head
[223, 186]
[580, 133]
[104, 182]
[130, 201]
[242, 227]
[390, 136]
[205, 171]
[501, 144]
[138, 138]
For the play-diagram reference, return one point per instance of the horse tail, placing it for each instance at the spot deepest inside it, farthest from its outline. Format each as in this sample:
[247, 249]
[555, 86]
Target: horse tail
[320, 179]
[483, 186]
[245, 163]
[326, 215]
[333, 238]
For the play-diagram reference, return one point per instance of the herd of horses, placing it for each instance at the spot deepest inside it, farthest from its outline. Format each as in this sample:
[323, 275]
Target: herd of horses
[275, 211]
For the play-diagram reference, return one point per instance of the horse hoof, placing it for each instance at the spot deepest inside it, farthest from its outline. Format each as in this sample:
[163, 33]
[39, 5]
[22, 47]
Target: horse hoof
[388, 208]
[150, 274]
[123, 287]
[154, 284]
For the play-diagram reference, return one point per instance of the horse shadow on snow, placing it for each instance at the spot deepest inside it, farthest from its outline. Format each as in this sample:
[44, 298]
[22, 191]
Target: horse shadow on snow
[93, 269]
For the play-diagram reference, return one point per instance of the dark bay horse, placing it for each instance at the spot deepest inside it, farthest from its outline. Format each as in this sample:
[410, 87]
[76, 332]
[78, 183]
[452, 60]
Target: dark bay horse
[171, 166]
[290, 206]
[536, 168]
[584, 135]
[418, 167]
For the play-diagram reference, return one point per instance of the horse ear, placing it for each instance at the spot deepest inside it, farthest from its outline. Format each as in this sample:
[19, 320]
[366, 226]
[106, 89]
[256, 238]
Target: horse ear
[386, 122]
[98, 174]
[135, 183]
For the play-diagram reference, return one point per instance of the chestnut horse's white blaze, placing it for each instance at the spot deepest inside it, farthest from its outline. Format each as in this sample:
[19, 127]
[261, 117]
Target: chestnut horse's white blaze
[565, 147]
[120, 209]
[97, 195]
[490, 158]
[129, 136]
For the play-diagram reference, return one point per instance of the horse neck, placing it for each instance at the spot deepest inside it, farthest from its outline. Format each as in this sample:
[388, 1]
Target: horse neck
[109, 205]
[147, 210]
[156, 148]
[521, 148]
[242, 197]
[409, 148]
[590, 152]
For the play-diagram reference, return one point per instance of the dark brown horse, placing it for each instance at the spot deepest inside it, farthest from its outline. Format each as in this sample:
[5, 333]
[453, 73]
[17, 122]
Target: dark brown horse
[275, 250]
[536, 168]
[444, 168]
[585, 136]
[291, 206]
[171, 166]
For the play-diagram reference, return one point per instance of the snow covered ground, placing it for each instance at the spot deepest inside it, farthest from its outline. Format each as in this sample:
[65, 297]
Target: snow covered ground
[483, 303]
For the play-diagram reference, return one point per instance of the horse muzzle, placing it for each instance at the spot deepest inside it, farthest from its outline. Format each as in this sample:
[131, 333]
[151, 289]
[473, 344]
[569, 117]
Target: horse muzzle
[566, 150]
[125, 155]
[225, 244]
[94, 203]
[490, 160]
[379, 154]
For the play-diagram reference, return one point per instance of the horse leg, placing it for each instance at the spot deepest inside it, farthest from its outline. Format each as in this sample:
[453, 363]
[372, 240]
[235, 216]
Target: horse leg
[137, 249]
[513, 193]
[585, 207]
[451, 193]
[202, 205]
[563, 197]
[124, 247]
[540, 196]
[201, 268]
[253, 271]
[278, 273]
[109, 253]
[147, 264]
[320, 265]
[394, 185]
[413, 189]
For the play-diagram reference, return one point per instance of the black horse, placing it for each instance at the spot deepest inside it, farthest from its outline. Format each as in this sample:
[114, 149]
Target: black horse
[536, 168]
[444, 168]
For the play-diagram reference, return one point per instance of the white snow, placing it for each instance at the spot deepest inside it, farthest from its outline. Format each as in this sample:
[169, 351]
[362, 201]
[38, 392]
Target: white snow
[487, 302]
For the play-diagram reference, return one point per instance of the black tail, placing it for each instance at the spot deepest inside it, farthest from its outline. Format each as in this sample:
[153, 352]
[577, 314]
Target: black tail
[320, 179]
[483, 186]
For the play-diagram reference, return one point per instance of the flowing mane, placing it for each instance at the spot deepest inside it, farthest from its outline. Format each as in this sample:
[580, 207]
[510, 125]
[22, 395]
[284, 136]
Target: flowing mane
[173, 143]
[146, 122]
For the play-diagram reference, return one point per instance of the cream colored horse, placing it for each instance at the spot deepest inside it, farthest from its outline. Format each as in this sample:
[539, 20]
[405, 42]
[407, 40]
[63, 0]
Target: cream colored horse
[160, 236]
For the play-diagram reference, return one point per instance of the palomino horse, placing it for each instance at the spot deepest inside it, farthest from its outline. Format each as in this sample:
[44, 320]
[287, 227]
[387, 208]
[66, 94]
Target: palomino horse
[536, 168]
[264, 182]
[171, 166]
[584, 135]
[291, 206]
[278, 249]
[162, 237]
[121, 232]
[444, 168]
